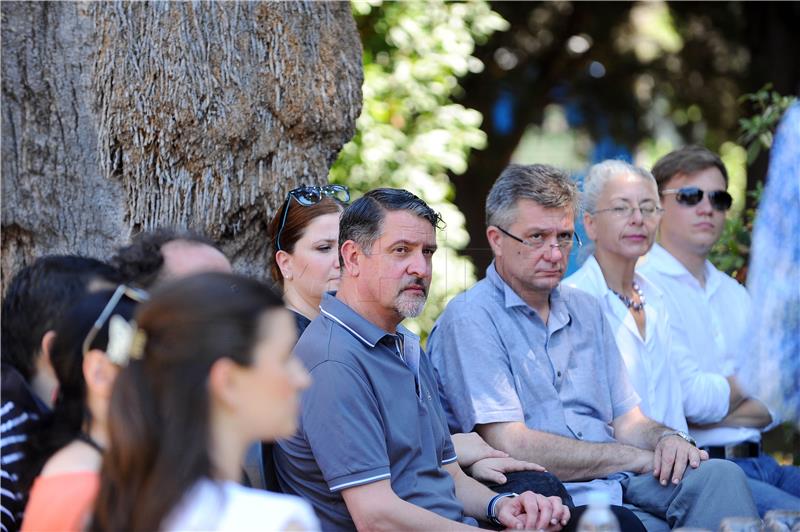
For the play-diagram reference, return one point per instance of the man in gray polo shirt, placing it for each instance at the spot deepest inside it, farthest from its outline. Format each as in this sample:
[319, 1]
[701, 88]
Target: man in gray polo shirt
[535, 370]
[372, 448]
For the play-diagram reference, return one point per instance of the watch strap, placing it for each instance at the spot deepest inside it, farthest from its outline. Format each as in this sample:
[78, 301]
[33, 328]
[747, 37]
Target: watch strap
[491, 508]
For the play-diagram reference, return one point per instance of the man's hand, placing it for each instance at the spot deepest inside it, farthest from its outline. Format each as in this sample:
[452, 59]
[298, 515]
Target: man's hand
[492, 469]
[470, 448]
[671, 455]
[532, 511]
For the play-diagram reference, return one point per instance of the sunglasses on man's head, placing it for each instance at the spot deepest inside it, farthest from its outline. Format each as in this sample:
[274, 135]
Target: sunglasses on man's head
[311, 195]
[690, 196]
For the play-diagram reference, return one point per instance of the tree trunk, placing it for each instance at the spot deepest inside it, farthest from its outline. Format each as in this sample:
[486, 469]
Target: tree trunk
[121, 117]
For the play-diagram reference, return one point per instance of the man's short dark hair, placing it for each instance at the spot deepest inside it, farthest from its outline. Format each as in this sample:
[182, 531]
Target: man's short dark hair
[36, 299]
[686, 160]
[140, 262]
[362, 220]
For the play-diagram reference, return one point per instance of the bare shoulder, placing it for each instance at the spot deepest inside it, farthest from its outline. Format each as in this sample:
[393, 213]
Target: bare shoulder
[74, 457]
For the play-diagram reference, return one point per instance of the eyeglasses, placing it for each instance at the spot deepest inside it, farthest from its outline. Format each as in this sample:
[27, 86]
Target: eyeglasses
[626, 211]
[311, 195]
[690, 196]
[563, 240]
[135, 294]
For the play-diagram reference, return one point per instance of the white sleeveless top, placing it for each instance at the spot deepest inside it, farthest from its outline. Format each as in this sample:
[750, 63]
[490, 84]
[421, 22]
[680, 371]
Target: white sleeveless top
[211, 505]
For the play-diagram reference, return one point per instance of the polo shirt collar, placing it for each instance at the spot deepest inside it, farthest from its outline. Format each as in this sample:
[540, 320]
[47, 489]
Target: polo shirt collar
[558, 308]
[360, 327]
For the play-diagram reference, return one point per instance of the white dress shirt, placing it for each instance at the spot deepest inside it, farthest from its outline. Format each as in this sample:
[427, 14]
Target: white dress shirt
[708, 326]
[649, 359]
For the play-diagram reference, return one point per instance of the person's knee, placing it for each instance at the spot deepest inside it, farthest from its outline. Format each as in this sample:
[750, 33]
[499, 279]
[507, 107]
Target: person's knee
[717, 472]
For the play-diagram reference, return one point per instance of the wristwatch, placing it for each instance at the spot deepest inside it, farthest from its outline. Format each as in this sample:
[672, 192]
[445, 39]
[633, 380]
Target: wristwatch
[680, 434]
[491, 509]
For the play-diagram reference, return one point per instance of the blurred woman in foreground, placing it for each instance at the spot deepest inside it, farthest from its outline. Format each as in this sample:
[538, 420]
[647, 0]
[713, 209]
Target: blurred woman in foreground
[210, 372]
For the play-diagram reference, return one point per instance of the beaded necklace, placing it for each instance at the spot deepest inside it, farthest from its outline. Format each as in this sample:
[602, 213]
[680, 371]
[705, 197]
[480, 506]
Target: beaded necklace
[629, 302]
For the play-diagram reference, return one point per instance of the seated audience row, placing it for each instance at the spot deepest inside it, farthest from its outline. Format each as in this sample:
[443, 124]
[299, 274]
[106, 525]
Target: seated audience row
[131, 409]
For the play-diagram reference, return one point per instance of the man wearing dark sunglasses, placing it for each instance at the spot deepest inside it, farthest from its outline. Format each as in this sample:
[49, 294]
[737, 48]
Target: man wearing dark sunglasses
[709, 313]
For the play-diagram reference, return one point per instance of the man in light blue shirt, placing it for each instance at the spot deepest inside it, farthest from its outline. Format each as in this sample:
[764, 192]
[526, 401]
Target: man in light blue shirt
[534, 369]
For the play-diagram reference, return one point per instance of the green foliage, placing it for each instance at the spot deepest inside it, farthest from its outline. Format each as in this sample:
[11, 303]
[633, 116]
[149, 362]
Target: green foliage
[410, 133]
[732, 251]
[757, 131]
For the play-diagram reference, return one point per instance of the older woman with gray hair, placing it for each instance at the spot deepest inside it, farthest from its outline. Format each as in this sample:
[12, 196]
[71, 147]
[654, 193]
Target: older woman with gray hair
[621, 215]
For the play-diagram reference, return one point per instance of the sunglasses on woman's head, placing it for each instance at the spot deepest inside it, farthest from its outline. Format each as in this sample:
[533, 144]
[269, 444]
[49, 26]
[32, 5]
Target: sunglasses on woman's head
[311, 195]
[134, 294]
[690, 196]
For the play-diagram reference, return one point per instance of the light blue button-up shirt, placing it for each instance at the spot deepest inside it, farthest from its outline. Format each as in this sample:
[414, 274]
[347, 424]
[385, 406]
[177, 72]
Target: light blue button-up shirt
[497, 361]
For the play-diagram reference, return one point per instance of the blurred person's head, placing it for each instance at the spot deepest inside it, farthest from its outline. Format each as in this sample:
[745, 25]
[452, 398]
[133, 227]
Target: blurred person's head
[530, 218]
[167, 254]
[211, 371]
[34, 303]
[692, 182]
[86, 360]
[387, 239]
[304, 256]
[621, 211]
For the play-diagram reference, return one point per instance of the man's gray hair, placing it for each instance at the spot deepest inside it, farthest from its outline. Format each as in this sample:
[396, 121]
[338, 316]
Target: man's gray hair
[600, 174]
[546, 185]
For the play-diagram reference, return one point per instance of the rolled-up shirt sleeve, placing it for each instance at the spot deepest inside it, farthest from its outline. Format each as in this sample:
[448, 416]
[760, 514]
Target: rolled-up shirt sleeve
[342, 422]
[706, 395]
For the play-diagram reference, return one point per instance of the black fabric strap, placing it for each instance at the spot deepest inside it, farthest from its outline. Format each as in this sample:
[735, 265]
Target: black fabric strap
[85, 438]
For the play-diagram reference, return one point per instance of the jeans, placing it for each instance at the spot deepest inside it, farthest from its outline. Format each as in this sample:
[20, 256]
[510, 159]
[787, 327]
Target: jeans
[774, 487]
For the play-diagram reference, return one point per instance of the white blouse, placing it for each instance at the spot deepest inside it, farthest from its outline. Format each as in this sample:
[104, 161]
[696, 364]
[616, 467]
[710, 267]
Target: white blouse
[649, 360]
[211, 505]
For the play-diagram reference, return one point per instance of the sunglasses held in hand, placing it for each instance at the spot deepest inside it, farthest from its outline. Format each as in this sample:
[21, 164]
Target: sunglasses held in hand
[690, 196]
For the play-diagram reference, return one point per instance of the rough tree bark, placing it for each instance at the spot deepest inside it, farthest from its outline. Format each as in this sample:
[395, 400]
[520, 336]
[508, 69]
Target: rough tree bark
[121, 117]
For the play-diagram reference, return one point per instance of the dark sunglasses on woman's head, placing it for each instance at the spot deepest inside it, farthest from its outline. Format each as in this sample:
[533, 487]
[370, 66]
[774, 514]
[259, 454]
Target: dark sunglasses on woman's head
[690, 196]
[311, 195]
[134, 294]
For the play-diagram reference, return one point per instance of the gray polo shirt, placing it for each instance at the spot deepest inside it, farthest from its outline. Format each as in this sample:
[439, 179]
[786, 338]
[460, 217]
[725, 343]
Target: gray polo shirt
[368, 416]
[496, 361]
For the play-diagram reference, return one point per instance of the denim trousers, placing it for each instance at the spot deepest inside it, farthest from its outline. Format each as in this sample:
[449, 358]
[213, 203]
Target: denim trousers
[774, 487]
